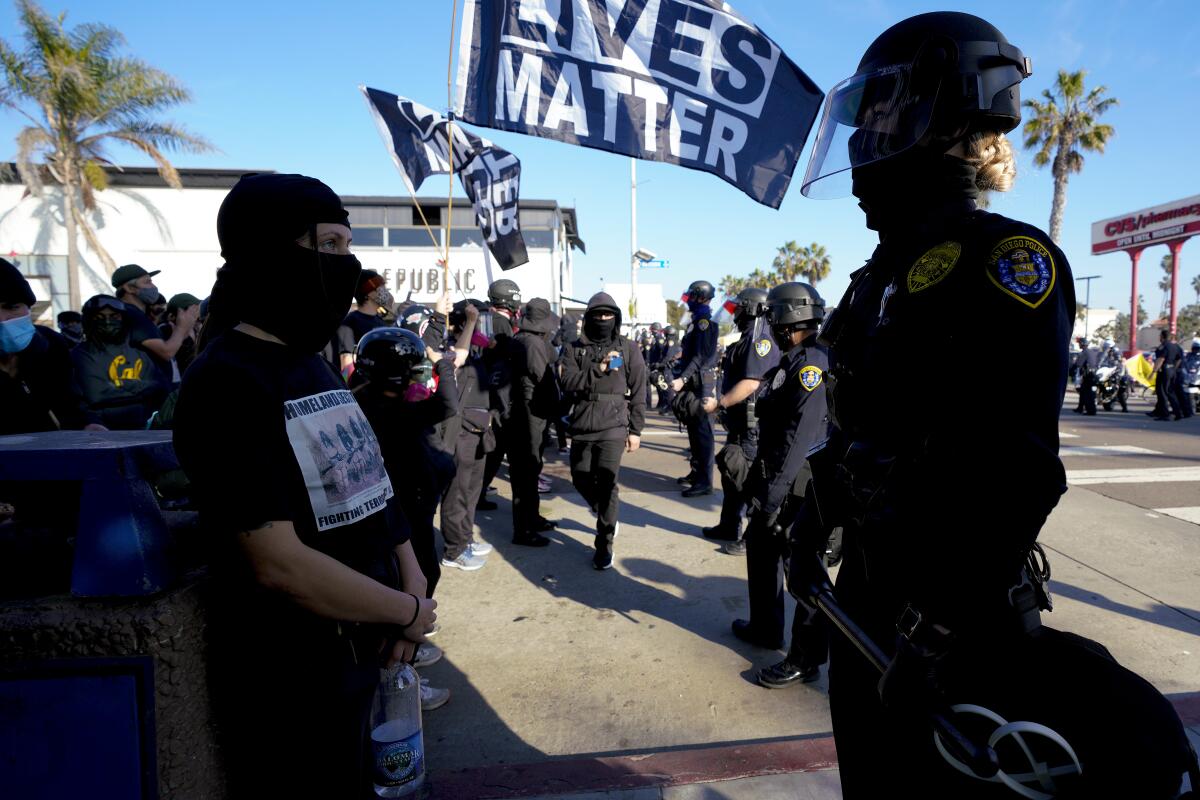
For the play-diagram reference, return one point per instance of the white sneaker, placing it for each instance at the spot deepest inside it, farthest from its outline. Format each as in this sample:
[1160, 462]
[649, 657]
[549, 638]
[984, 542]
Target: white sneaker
[427, 654]
[432, 698]
[479, 548]
[467, 561]
[616, 529]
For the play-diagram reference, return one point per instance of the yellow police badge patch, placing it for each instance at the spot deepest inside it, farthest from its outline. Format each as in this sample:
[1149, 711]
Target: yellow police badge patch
[702, 324]
[933, 266]
[762, 348]
[1022, 267]
[810, 377]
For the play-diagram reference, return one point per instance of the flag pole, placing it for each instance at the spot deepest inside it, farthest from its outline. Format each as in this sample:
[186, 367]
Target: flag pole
[450, 150]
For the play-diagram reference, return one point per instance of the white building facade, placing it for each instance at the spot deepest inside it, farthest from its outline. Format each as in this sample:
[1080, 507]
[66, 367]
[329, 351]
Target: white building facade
[140, 220]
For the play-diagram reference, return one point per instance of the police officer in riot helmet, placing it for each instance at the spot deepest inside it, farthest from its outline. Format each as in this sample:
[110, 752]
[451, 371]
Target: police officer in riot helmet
[504, 299]
[792, 417]
[742, 369]
[941, 502]
[697, 373]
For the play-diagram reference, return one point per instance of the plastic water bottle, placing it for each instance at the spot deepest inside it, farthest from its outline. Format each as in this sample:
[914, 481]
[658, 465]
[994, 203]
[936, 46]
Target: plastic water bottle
[396, 741]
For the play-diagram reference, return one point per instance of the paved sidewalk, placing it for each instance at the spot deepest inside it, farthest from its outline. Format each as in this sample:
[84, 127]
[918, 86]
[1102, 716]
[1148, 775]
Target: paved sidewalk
[628, 684]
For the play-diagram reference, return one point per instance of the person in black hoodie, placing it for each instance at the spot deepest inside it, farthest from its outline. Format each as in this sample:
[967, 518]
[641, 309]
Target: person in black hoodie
[607, 376]
[534, 400]
[37, 392]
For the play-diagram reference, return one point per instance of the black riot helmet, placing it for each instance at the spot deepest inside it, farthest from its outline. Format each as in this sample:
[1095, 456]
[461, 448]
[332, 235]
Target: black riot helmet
[505, 294]
[931, 79]
[392, 357]
[656, 327]
[795, 305]
[750, 305]
[699, 292]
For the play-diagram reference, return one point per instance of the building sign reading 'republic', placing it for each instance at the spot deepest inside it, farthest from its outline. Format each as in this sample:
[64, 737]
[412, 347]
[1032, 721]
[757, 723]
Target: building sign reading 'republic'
[1176, 220]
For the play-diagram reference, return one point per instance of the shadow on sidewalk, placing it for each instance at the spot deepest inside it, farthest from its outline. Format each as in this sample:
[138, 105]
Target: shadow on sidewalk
[568, 574]
[1186, 620]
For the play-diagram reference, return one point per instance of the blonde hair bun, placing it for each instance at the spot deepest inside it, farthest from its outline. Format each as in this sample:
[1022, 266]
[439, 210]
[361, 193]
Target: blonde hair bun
[991, 153]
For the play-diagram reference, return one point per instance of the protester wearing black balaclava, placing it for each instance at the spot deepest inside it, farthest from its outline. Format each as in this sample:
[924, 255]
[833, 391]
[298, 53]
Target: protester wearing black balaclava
[605, 375]
[314, 577]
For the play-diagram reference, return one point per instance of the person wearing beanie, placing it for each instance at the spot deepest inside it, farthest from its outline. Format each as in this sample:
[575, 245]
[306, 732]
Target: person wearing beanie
[70, 325]
[314, 583]
[37, 387]
[606, 376]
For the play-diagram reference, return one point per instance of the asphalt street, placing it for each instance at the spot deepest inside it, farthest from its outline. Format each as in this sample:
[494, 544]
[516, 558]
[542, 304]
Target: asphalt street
[628, 683]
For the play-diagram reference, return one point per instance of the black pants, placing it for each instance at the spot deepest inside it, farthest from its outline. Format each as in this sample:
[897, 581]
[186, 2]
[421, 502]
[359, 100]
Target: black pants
[700, 440]
[424, 544]
[733, 501]
[494, 458]
[292, 712]
[1167, 394]
[1087, 394]
[767, 558]
[595, 466]
[524, 466]
[462, 495]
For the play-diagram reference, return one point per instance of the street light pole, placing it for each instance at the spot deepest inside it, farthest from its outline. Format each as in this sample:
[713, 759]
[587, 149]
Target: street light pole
[633, 244]
[1087, 305]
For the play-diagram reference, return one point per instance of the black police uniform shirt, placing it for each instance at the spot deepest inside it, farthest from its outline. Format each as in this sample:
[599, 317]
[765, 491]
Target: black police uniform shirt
[793, 416]
[142, 329]
[746, 359]
[267, 433]
[1171, 353]
[698, 355]
[971, 486]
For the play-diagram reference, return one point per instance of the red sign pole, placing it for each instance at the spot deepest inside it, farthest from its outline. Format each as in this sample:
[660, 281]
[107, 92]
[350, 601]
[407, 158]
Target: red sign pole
[1176, 246]
[1135, 255]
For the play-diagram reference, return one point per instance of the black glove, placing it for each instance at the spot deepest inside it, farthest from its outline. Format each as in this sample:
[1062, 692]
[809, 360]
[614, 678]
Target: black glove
[806, 576]
[912, 681]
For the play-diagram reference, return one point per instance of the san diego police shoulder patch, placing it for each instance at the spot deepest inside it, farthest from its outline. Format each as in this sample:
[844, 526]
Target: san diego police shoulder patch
[763, 347]
[1022, 267]
[702, 324]
[810, 377]
[934, 265]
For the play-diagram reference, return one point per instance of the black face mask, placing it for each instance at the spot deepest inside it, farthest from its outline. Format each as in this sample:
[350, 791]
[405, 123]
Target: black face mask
[599, 330]
[899, 190]
[307, 295]
[109, 331]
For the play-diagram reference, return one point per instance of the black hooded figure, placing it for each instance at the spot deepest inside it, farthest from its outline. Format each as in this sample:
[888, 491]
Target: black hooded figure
[534, 401]
[941, 501]
[605, 376]
[314, 579]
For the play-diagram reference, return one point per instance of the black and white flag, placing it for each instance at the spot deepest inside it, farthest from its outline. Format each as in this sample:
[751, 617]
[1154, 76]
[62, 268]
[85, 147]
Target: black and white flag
[687, 82]
[491, 176]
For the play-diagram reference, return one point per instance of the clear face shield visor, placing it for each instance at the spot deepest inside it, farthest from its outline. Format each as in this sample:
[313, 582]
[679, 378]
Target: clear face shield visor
[883, 113]
[867, 118]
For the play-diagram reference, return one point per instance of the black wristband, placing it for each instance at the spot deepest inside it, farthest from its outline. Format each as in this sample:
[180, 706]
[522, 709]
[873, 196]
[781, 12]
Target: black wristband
[416, 611]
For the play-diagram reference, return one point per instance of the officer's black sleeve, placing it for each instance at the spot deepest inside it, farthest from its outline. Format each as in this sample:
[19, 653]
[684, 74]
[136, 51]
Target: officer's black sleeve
[810, 425]
[635, 380]
[706, 350]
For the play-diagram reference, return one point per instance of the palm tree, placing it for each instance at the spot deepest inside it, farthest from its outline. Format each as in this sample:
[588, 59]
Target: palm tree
[790, 262]
[818, 266]
[1061, 127]
[730, 285]
[761, 280]
[80, 95]
[1164, 283]
[1196, 288]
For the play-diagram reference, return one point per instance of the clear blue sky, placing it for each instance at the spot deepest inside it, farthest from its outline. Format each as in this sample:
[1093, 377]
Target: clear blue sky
[275, 87]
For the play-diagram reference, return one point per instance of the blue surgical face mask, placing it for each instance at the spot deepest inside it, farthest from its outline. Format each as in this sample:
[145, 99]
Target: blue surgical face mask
[16, 334]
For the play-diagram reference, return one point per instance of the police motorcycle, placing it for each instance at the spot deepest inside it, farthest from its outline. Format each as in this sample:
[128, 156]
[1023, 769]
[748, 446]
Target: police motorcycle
[1191, 375]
